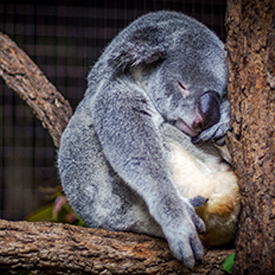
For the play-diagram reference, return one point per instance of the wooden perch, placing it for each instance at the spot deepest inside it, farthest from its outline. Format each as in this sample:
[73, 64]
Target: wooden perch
[48, 248]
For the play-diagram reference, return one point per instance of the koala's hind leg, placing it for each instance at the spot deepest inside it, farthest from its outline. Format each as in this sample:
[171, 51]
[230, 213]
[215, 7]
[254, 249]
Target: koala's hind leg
[96, 193]
[114, 206]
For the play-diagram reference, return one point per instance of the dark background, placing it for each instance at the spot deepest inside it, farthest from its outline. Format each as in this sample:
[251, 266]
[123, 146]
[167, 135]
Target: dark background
[64, 38]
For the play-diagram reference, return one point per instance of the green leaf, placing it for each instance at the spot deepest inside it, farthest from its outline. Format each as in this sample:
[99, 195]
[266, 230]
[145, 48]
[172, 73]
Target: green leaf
[228, 263]
[43, 214]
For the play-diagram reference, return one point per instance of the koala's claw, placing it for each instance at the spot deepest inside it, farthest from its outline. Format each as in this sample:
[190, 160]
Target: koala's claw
[198, 201]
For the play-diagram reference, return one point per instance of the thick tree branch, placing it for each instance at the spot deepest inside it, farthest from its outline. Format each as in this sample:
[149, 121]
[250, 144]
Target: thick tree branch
[28, 81]
[50, 248]
[47, 248]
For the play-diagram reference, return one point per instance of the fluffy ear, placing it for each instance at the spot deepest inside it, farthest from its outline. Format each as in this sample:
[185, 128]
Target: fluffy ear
[130, 55]
[140, 48]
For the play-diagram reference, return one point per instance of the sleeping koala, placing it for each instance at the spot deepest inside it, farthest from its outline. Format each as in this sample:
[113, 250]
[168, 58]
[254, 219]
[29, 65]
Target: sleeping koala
[127, 161]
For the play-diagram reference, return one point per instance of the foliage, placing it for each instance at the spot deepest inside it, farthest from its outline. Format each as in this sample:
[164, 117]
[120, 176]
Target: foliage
[229, 263]
[57, 211]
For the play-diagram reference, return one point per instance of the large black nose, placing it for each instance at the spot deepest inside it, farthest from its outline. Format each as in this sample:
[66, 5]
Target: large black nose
[208, 107]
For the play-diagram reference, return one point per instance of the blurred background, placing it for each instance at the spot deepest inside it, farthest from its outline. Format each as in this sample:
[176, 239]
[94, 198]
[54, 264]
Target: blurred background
[64, 38]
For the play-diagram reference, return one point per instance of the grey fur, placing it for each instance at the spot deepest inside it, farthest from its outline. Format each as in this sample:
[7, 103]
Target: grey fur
[113, 159]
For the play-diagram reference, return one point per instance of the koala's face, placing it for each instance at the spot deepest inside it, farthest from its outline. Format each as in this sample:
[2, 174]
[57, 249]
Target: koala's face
[187, 91]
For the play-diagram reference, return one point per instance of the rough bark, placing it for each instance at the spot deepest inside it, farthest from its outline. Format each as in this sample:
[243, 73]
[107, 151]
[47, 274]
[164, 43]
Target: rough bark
[28, 81]
[47, 248]
[250, 27]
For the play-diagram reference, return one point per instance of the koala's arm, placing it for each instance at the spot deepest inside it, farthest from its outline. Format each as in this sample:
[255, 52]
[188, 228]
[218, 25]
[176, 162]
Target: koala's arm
[127, 127]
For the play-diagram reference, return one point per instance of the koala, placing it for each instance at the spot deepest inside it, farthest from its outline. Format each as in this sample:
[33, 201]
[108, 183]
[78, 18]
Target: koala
[127, 161]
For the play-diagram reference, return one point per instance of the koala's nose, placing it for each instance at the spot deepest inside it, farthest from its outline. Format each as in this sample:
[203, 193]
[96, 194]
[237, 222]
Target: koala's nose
[208, 111]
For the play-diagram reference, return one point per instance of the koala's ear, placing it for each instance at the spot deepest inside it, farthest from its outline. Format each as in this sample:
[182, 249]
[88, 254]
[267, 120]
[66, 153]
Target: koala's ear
[131, 54]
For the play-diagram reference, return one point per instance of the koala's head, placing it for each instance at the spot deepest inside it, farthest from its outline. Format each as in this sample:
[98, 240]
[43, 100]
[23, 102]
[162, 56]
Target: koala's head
[189, 85]
[181, 64]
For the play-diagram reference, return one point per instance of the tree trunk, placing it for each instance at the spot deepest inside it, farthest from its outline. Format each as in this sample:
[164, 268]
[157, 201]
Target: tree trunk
[250, 45]
[48, 248]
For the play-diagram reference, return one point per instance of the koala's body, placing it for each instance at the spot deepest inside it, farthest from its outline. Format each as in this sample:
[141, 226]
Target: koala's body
[126, 160]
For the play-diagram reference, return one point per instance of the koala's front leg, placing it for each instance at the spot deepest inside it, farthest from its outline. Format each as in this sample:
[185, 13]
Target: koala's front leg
[126, 124]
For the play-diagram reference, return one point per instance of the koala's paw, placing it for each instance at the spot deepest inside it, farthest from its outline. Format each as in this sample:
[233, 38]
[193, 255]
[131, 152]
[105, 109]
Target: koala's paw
[182, 236]
[198, 201]
[216, 132]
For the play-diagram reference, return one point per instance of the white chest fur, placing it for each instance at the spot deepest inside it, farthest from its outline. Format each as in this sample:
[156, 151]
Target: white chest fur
[214, 180]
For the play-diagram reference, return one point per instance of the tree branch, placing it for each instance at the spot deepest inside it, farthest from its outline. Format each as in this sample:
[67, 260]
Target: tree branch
[23, 76]
[50, 248]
